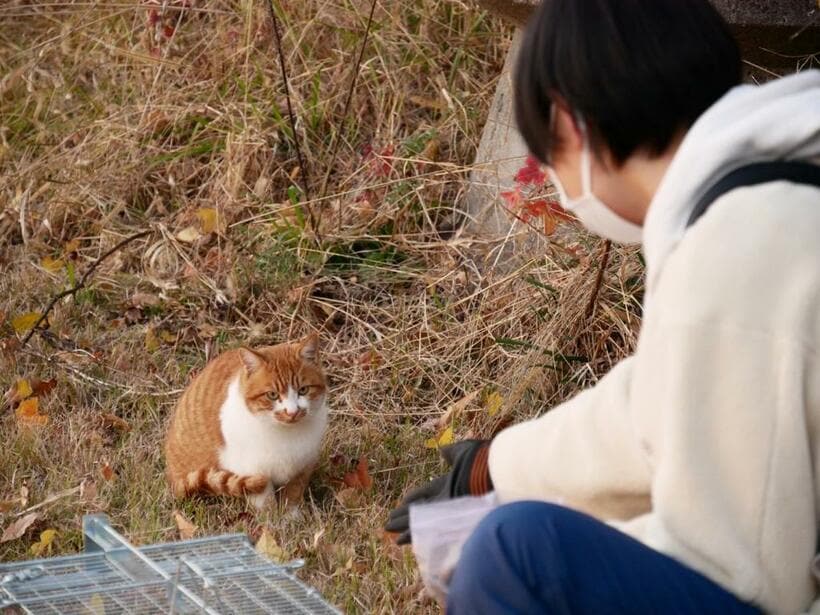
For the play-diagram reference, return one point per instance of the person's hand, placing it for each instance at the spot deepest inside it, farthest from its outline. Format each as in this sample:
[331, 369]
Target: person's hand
[469, 475]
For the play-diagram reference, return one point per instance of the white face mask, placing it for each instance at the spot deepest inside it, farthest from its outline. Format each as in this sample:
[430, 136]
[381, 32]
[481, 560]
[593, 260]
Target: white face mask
[590, 210]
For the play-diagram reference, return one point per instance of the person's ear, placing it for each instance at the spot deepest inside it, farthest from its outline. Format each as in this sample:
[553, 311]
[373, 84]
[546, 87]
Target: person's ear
[567, 129]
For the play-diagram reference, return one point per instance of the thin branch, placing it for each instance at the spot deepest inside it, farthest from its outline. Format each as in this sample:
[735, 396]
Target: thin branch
[336, 140]
[79, 285]
[277, 36]
[593, 299]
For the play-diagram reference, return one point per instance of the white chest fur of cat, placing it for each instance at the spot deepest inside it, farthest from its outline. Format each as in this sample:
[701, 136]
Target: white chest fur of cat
[257, 444]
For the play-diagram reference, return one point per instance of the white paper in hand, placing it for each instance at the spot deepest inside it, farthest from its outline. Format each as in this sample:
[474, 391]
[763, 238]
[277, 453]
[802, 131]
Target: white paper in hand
[440, 530]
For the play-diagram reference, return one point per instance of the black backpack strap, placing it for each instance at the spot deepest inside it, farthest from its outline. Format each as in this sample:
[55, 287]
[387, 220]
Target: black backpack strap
[794, 171]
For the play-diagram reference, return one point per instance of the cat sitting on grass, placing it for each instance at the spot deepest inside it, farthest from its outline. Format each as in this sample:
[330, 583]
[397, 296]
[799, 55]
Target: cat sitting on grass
[252, 420]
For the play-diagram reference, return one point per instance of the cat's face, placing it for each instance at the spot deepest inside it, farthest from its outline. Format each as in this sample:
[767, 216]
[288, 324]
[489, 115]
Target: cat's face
[284, 382]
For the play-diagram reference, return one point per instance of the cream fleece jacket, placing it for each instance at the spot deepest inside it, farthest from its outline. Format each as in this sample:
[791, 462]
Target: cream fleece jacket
[705, 444]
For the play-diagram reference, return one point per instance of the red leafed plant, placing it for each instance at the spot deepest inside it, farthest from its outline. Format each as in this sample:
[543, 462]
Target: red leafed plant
[528, 200]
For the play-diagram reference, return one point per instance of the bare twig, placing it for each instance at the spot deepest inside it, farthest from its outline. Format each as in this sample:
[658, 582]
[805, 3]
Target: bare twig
[336, 140]
[593, 298]
[277, 36]
[80, 284]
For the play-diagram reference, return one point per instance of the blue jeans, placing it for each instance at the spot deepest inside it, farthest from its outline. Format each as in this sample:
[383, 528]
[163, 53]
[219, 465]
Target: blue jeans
[533, 557]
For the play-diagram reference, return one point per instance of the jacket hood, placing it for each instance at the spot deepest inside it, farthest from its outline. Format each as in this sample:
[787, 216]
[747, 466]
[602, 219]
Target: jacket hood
[779, 120]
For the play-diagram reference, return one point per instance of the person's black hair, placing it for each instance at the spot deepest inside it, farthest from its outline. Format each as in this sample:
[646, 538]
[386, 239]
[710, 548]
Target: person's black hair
[636, 71]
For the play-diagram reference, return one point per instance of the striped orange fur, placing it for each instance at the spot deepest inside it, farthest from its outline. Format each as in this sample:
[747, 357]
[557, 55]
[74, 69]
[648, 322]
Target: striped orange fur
[196, 441]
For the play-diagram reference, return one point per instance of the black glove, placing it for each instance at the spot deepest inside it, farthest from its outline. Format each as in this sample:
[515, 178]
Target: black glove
[468, 475]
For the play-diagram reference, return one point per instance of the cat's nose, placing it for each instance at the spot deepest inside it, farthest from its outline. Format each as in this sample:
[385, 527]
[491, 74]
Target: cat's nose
[291, 409]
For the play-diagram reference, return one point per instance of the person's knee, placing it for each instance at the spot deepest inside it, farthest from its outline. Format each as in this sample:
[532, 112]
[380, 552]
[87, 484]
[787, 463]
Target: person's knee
[513, 551]
[506, 539]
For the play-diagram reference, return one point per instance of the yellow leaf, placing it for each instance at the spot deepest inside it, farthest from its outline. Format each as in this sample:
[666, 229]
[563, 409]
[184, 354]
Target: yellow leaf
[493, 403]
[444, 439]
[71, 246]
[167, 336]
[189, 234]
[185, 527]
[54, 265]
[44, 544]
[151, 340]
[23, 388]
[24, 322]
[267, 546]
[29, 412]
[208, 219]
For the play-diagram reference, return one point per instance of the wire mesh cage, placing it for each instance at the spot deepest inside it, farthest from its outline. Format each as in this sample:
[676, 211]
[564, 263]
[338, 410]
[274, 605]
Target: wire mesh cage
[220, 574]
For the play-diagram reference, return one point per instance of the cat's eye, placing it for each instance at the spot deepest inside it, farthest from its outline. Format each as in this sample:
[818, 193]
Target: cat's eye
[272, 395]
[303, 391]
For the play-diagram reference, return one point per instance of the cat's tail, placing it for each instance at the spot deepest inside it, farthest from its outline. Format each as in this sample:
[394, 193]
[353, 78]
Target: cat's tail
[219, 482]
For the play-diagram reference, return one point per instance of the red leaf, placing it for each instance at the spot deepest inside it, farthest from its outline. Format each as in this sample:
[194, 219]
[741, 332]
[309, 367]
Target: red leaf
[168, 31]
[513, 198]
[534, 209]
[554, 209]
[531, 173]
[384, 162]
[360, 479]
[42, 387]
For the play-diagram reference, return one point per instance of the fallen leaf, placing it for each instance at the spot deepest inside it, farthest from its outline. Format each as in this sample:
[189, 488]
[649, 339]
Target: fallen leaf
[260, 187]
[185, 527]
[108, 472]
[493, 403]
[29, 412]
[71, 246]
[19, 527]
[24, 322]
[42, 387]
[23, 496]
[8, 505]
[189, 234]
[166, 336]
[18, 392]
[267, 546]
[208, 219]
[44, 544]
[151, 340]
[112, 420]
[444, 439]
[52, 265]
[430, 151]
[360, 478]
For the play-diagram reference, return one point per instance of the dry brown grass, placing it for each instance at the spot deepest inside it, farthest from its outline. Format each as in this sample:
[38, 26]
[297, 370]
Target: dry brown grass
[100, 137]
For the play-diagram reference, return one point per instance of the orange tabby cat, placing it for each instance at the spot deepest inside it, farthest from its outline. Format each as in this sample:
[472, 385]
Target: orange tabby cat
[250, 421]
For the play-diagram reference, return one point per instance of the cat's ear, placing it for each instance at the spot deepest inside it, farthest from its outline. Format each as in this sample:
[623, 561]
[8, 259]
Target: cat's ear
[309, 348]
[251, 360]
